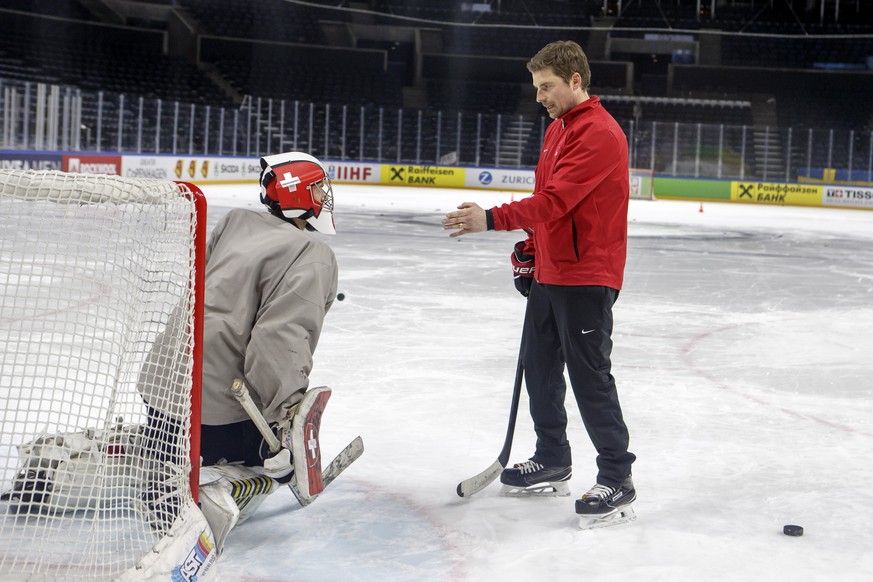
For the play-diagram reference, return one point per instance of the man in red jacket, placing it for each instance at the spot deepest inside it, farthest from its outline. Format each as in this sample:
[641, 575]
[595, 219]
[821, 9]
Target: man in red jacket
[570, 268]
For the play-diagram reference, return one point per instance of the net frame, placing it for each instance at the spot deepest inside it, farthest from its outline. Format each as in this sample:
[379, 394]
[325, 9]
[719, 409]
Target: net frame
[98, 521]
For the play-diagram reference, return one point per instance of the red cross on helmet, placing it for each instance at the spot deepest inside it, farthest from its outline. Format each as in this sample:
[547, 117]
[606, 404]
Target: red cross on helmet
[295, 185]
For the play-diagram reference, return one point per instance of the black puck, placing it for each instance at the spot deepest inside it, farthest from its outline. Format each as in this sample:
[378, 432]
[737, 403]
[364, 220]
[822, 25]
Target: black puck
[340, 296]
[792, 530]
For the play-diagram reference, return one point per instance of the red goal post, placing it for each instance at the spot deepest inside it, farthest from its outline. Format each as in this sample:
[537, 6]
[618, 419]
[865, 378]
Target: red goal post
[101, 322]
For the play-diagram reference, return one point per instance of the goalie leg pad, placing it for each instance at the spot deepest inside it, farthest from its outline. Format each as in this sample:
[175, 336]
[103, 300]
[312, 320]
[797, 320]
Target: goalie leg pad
[73, 471]
[220, 511]
[304, 443]
[229, 495]
[187, 552]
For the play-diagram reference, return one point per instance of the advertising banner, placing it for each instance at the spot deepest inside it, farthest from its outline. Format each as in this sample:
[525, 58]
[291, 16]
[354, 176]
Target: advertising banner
[407, 175]
[848, 196]
[496, 179]
[779, 194]
[88, 164]
[12, 160]
[357, 172]
[192, 168]
[230, 169]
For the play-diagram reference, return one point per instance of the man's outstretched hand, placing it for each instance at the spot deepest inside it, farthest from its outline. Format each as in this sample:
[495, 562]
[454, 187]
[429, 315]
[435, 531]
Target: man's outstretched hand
[469, 217]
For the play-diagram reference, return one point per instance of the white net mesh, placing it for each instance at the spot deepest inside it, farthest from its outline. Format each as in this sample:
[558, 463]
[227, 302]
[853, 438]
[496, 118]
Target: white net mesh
[96, 343]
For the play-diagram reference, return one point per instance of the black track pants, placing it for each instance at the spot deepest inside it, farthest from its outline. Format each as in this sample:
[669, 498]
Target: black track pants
[573, 326]
[237, 442]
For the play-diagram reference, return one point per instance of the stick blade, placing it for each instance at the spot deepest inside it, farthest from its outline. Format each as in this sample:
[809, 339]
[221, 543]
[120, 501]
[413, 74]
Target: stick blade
[340, 463]
[481, 481]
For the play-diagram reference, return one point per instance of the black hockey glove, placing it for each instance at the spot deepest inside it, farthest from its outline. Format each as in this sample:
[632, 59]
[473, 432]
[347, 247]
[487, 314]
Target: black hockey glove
[522, 268]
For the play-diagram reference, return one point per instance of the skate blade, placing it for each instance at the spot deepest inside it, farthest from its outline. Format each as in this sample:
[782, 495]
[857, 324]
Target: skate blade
[616, 517]
[550, 489]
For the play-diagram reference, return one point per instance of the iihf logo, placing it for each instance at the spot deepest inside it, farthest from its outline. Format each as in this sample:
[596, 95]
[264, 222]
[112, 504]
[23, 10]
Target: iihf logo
[485, 178]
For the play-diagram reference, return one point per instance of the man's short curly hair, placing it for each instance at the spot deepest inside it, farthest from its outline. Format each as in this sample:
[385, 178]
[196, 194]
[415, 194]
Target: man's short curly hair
[563, 57]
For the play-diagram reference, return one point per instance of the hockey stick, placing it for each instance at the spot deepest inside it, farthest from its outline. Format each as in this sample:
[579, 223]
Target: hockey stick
[241, 393]
[340, 463]
[482, 480]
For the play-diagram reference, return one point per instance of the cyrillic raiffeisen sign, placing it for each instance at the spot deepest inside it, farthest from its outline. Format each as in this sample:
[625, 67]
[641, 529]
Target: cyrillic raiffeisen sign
[779, 194]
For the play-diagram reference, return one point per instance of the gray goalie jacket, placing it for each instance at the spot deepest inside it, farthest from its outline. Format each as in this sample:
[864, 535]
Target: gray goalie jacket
[268, 288]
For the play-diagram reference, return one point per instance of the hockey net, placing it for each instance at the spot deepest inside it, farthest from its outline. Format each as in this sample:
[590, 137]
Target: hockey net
[642, 184]
[100, 316]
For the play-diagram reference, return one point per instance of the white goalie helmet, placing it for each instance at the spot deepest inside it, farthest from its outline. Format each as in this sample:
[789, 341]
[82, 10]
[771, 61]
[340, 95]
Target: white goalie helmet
[295, 185]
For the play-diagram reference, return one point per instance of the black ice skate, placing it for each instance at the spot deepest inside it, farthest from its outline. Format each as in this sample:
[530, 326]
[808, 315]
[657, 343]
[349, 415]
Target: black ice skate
[531, 478]
[603, 505]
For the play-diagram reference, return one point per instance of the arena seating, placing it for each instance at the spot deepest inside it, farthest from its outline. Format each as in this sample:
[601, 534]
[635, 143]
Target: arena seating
[99, 58]
[313, 52]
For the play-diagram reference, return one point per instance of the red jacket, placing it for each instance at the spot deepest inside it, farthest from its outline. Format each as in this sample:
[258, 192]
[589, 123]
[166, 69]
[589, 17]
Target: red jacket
[578, 211]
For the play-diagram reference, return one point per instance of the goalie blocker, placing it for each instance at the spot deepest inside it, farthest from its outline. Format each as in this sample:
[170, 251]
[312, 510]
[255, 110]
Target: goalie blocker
[298, 438]
[302, 440]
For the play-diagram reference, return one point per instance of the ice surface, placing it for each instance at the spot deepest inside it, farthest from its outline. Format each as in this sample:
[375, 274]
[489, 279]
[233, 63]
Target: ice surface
[744, 362]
